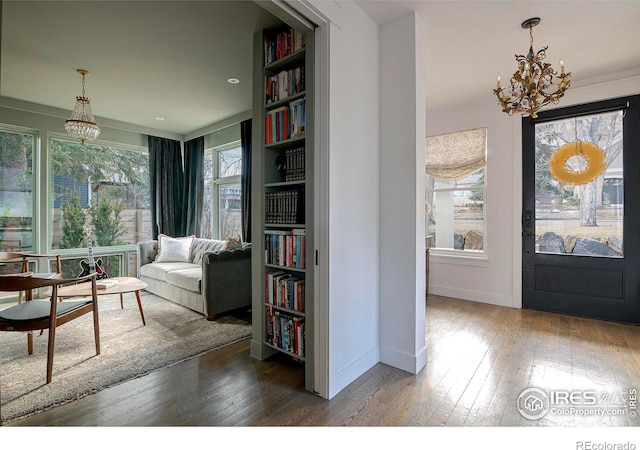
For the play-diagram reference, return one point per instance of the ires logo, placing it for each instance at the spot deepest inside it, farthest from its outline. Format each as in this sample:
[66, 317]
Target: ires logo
[573, 398]
[534, 403]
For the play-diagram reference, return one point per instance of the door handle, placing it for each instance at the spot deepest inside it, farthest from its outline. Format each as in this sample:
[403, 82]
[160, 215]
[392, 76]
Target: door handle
[528, 219]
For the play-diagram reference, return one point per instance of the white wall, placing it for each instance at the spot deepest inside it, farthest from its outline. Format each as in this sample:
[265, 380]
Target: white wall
[402, 179]
[498, 279]
[352, 198]
[360, 216]
[486, 280]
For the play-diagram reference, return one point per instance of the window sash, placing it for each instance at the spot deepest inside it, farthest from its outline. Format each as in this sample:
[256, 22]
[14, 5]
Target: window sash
[449, 251]
[216, 181]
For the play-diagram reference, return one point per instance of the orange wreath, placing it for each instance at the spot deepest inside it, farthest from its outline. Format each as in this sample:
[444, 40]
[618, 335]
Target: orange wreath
[593, 154]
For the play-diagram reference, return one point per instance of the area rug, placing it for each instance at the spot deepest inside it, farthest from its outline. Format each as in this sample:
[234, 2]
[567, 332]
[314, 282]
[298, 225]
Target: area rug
[128, 350]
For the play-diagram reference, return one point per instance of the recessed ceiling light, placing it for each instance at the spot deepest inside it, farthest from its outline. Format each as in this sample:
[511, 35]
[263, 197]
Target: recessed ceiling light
[233, 80]
[159, 118]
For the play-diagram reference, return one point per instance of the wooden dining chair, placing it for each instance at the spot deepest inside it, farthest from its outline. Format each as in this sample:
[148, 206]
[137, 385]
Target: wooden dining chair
[18, 262]
[34, 314]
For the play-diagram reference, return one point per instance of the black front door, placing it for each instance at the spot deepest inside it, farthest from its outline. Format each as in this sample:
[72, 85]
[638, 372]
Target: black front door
[581, 210]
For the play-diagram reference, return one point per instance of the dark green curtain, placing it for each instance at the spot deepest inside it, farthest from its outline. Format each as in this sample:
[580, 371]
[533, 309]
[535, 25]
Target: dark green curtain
[245, 179]
[194, 185]
[166, 186]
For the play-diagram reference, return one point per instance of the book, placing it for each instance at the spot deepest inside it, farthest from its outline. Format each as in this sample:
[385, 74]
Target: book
[269, 283]
[106, 283]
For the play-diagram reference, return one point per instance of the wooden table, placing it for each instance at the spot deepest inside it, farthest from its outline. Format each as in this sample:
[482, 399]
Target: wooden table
[125, 285]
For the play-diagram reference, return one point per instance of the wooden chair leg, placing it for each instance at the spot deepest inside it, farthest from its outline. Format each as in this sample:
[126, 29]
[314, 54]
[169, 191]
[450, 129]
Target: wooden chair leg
[96, 328]
[50, 350]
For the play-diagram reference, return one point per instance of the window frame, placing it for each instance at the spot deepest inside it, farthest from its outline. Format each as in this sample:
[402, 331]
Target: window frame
[475, 257]
[123, 252]
[217, 181]
[35, 176]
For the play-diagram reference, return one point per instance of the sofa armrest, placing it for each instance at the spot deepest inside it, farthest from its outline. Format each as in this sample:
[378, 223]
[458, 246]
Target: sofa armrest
[146, 252]
[226, 280]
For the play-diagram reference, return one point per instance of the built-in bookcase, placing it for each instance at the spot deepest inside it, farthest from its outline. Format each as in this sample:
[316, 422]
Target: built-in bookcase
[282, 197]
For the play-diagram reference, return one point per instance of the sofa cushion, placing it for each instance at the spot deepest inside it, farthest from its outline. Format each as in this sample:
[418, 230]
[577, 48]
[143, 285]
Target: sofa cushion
[174, 249]
[189, 279]
[159, 270]
[201, 246]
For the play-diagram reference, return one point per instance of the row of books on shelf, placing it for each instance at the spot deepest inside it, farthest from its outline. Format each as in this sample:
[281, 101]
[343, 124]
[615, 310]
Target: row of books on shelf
[285, 331]
[285, 122]
[280, 44]
[284, 206]
[284, 290]
[286, 248]
[284, 84]
[294, 164]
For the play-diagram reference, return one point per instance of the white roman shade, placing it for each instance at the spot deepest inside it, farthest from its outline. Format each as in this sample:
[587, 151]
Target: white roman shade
[454, 156]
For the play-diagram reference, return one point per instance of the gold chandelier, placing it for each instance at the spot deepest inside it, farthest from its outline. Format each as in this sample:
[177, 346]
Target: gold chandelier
[530, 84]
[82, 125]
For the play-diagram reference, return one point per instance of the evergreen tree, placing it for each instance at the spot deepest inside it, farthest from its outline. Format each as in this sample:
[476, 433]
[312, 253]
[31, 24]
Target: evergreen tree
[73, 222]
[105, 219]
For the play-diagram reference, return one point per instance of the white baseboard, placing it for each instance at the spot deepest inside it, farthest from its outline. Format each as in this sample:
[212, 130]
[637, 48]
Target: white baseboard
[349, 373]
[474, 296]
[403, 361]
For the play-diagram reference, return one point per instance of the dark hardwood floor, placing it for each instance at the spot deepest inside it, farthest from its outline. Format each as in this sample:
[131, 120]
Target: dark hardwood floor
[480, 358]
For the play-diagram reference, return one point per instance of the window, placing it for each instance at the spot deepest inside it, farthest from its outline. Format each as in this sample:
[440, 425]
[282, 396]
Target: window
[455, 191]
[103, 187]
[16, 189]
[222, 215]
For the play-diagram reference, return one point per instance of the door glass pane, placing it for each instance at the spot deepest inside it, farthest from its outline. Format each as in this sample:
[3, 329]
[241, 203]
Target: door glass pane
[573, 216]
[230, 210]
[16, 191]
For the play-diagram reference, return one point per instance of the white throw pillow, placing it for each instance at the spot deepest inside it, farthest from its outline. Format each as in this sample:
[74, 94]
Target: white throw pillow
[174, 249]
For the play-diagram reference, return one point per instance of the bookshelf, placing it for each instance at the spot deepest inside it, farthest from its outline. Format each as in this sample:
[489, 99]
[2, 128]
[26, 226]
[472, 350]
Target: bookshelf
[282, 197]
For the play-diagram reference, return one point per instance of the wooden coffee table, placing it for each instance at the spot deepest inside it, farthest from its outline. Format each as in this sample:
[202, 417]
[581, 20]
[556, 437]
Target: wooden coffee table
[125, 285]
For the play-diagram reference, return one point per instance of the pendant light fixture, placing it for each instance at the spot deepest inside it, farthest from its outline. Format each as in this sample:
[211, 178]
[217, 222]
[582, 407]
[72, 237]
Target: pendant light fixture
[82, 125]
[530, 87]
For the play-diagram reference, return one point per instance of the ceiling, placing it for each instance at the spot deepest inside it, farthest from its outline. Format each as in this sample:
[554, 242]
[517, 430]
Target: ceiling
[469, 43]
[147, 59]
[172, 59]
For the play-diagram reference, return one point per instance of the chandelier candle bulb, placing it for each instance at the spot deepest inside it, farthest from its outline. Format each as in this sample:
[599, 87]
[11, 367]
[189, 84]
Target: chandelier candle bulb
[498, 83]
